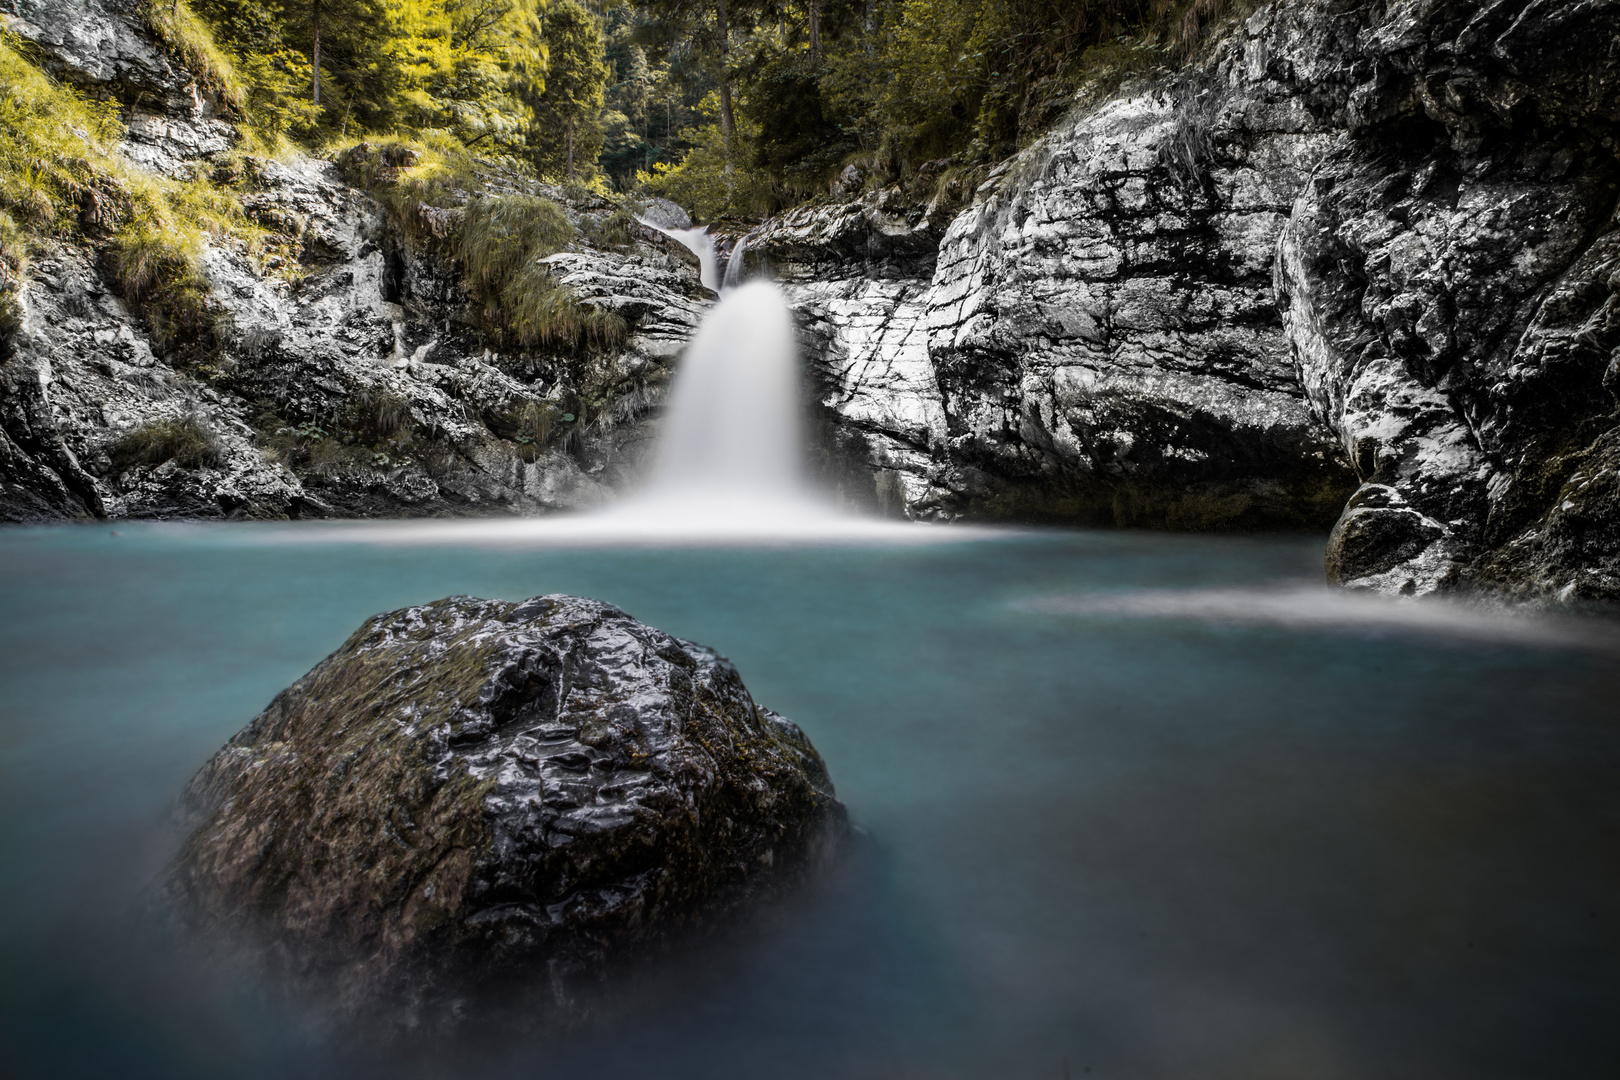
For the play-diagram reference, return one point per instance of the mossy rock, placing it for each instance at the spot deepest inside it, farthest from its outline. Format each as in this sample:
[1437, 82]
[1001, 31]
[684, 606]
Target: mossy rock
[476, 800]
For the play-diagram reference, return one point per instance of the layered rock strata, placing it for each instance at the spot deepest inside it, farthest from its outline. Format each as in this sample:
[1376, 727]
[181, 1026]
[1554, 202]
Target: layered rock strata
[478, 801]
[1358, 250]
[348, 313]
[1450, 281]
[1095, 338]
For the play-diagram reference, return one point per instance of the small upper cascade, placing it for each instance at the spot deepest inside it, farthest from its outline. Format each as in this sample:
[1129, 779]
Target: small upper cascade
[734, 264]
[698, 241]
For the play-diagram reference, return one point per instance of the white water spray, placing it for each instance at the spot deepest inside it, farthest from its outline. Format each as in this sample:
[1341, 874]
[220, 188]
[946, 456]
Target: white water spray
[732, 430]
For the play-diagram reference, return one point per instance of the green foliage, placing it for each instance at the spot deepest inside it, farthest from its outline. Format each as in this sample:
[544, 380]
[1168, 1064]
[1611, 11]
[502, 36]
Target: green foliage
[465, 66]
[515, 300]
[500, 236]
[378, 418]
[191, 42]
[498, 242]
[898, 85]
[374, 429]
[610, 232]
[186, 441]
[61, 175]
[568, 136]
[803, 139]
[702, 182]
[56, 152]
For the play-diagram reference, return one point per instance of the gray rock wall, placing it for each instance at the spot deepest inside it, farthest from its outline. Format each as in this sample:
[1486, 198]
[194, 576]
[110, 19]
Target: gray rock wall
[1358, 250]
[1095, 338]
[1448, 281]
[348, 311]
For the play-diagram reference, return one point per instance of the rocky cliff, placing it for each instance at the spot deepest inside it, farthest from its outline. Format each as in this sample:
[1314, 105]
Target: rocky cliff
[342, 374]
[1352, 268]
[1357, 250]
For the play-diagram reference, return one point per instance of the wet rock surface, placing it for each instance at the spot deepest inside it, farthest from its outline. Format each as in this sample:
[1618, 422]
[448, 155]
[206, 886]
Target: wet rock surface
[1355, 249]
[480, 799]
[1450, 279]
[341, 320]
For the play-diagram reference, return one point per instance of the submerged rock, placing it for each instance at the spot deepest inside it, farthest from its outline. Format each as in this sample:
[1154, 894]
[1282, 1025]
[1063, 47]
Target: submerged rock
[474, 798]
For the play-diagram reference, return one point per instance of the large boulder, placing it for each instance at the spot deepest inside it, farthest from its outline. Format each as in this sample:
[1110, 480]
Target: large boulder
[473, 799]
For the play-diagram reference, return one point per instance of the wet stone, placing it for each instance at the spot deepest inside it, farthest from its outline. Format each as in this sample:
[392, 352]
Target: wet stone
[480, 801]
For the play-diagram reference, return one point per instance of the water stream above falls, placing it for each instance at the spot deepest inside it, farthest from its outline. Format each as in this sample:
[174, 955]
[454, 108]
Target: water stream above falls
[1126, 802]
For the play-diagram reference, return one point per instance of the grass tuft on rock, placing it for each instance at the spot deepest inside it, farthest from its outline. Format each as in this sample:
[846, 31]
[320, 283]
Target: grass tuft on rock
[190, 41]
[427, 184]
[186, 441]
[62, 177]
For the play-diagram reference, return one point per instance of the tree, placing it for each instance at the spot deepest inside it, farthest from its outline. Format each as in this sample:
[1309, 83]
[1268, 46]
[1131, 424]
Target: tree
[568, 136]
[378, 65]
[709, 25]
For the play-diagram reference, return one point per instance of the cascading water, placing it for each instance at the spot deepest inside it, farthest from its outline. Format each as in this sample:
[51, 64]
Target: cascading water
[733, 431]
[730, 453]
[729, 460]
[698, 241]
[734, 265]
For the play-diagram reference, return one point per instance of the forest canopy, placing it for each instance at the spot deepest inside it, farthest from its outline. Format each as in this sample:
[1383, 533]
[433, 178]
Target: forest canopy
[731, 107]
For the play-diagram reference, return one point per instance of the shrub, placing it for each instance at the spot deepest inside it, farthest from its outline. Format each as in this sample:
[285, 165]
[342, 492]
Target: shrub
[376, 417]
[496, 240]
[529, 423]
[610, 232]
[186, 441]
[502, 236]
[533, 311]
[189, 40]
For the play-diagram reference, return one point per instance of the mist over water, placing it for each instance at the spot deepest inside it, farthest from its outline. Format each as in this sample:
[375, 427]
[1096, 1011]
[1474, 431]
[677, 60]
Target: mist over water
[1150, 839]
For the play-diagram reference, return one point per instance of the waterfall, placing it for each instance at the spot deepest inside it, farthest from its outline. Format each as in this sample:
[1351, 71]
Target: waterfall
[732, 431]
[698, 242]
[728, 463]
[734, 265]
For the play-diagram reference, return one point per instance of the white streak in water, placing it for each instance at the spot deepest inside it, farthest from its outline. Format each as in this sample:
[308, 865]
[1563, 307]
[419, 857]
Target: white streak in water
[1322, 609]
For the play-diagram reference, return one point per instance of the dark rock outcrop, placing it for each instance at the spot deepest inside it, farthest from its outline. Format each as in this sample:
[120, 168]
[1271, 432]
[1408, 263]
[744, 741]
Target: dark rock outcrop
[1450, 280]
[473, 799]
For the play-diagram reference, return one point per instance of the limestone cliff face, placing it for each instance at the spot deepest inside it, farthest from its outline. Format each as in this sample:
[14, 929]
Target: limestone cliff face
[353, 312]
[1096, 338]
[1359, 249]
[1450, 282]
